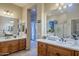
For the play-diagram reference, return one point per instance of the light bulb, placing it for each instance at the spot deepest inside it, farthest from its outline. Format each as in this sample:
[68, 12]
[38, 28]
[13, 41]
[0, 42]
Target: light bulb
[8, 13]
[59, 8]
[64, 6]
[4, 12]
[70, 4]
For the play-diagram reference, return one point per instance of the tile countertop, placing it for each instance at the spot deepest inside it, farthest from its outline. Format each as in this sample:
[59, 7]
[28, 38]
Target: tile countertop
[12, 38]
[72, 47]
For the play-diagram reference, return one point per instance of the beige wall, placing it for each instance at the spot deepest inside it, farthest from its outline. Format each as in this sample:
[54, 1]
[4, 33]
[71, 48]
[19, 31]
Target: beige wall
[26, 20]
[40, 16]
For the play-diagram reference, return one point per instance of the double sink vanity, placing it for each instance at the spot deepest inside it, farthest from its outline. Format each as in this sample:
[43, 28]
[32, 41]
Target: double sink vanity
[57, 47]
[11, 45]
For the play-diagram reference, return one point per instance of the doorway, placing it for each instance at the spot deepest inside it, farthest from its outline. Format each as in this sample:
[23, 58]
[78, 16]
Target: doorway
[33, 24]
[33, 27]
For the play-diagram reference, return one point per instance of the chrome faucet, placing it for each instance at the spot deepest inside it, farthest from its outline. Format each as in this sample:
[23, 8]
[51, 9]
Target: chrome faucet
[62, 39]
[75, 37]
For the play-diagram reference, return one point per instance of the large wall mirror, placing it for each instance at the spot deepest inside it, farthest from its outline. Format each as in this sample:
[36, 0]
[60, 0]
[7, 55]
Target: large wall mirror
[8, 26]
[58, 22]
[75, 27]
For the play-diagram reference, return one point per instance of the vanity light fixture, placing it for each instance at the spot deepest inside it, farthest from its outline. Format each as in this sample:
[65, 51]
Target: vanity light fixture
[61, 6]
[7, 12]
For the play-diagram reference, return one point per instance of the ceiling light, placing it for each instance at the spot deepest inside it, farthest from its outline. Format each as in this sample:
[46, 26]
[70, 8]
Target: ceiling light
[70, 4]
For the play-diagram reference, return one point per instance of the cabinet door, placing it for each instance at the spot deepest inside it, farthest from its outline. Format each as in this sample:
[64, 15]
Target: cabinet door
[76, 53]
[51, 50]
[58, 51]
[41, 49]
[4, 48]
[13, 46]
[22, 44]
[65, 52]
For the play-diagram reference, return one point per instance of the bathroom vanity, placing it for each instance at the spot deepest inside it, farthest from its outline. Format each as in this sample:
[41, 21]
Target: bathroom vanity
[50, 48]
[8, 46]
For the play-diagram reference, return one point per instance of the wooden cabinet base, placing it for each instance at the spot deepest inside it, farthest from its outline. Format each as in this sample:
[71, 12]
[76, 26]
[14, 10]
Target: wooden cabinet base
[12, 46]
[45, 49]
[58, 51]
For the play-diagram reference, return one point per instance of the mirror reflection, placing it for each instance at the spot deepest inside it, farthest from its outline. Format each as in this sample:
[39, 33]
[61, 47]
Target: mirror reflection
[10, 27]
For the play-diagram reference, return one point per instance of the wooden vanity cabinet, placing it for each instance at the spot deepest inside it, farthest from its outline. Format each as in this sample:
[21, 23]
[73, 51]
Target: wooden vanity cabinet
[22, 44]
[41, 49]
[51, 50]
[12, 46]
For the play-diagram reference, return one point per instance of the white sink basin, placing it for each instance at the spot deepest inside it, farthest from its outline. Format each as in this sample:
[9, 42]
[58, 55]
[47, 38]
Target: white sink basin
[68, 42]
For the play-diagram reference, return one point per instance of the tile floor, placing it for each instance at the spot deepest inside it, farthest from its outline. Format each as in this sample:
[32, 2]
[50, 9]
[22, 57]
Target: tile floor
[31, 52]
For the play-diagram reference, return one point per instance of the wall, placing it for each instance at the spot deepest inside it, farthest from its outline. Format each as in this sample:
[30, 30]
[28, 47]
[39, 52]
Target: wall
[26, 20]
[40, 16]
[42, 10]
